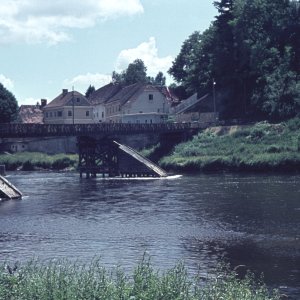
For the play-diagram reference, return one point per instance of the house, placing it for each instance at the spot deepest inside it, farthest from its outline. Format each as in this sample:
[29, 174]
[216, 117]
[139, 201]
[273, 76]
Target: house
[195, 109]
[99, 98]
[136, 103]
[68, 108]
[31, 113]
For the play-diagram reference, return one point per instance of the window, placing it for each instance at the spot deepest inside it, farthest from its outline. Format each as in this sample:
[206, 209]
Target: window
[69, 113]
[87, 113]
[150, 96]
[158, 110]
[51, 114]
[46, 115]
[103, 114]
[59, 113]
[78, 100]
[55, 114]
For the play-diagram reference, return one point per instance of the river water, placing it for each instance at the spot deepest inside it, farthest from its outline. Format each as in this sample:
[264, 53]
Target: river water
[251, 220]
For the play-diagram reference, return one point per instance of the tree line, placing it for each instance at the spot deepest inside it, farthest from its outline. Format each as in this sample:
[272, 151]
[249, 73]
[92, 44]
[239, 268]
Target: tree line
[251, 52]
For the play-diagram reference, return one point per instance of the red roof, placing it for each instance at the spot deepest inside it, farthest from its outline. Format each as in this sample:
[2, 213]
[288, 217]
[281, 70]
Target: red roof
[30, 114]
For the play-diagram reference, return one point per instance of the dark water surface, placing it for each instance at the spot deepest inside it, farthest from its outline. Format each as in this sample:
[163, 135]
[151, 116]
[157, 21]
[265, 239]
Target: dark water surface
[252, 220]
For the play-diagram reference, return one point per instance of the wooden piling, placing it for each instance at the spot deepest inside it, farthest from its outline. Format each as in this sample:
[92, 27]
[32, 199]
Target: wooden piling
[2, 170]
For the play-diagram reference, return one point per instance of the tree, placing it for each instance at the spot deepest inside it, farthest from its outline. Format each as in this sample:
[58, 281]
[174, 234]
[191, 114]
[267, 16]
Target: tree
[118, 78]
[265, 33]
[160, 79]
[192, 67]
[8, 106]
[136, 73]
[90, 90]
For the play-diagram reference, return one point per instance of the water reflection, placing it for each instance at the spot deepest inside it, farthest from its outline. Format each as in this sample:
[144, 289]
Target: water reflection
[244, 219]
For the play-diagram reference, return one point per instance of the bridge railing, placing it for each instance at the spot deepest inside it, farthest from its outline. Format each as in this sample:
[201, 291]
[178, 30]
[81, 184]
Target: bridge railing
[38, 130]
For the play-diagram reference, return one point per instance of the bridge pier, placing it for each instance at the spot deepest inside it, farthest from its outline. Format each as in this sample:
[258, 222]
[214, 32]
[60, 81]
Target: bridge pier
[97, 157]
[109, 158]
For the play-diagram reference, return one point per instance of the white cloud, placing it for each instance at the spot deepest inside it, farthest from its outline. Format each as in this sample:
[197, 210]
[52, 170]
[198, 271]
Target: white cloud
[36, 21]
[7, 83]
[82, 82]
[147, 52]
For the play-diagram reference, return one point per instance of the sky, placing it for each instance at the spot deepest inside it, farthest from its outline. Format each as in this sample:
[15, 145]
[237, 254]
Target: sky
[46, 46]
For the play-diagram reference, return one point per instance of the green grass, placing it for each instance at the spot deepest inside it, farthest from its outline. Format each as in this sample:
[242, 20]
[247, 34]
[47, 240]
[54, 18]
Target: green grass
[64, 280]
[261, 147]
[29, 161]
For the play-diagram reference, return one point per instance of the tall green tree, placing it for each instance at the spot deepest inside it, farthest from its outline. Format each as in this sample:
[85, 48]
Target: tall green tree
[192, 68]
[8, 105]
[272, 79]
[136, 72]
[160, 79]
[90, 90]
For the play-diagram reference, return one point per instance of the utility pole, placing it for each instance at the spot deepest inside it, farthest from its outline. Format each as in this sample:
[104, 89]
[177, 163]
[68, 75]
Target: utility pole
[214, 98]
[73, 105]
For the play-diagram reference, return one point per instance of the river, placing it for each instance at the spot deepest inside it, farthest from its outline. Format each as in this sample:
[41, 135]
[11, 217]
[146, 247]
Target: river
[243, 219]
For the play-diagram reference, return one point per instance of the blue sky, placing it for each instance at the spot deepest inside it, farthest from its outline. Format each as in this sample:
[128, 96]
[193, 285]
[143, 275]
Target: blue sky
[45, 47]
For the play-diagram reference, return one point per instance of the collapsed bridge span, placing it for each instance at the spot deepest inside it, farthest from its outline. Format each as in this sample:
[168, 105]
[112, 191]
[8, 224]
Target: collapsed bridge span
[110, 158]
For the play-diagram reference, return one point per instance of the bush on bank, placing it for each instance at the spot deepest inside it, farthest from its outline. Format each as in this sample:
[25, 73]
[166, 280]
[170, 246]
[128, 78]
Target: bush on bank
[64, 280]
[29, 161]
[262, 147]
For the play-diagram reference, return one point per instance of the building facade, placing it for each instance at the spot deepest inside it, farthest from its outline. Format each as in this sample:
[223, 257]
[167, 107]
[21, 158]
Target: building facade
[137, 103]
[68, 108]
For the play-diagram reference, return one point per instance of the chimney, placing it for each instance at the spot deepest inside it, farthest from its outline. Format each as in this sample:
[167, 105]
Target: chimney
[65, 91]
[43, 102]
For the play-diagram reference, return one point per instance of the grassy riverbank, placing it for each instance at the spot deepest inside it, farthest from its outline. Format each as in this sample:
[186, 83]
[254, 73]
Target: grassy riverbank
[260, 147]
[64, 281]
[29, 161]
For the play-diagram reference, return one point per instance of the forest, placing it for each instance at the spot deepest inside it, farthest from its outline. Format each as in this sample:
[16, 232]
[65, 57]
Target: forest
[250, 55]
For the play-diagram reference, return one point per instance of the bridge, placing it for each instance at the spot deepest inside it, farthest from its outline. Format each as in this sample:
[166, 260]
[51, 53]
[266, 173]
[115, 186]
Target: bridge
[98, 152]
[42, 130]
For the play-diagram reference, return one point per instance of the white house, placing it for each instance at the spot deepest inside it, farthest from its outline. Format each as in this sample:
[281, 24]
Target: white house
[137, 103]
[68, 108]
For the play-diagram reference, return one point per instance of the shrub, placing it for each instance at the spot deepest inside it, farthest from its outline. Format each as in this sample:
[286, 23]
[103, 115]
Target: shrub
[64, 280]
[27, 166]
[293, 124]
[274, 149]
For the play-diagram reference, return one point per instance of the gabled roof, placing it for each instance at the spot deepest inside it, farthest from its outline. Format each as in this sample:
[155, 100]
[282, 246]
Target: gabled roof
[127, 93]
[66, 98]
[116, 92]
[104, 93]
[30, 114]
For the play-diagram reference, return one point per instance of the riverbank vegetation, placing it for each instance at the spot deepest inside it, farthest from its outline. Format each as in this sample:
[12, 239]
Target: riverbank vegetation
[64, 280]
[260, 147]
[29, 161]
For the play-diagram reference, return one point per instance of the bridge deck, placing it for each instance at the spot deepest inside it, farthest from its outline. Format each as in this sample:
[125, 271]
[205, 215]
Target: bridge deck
[8, 190]
[38, 130]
